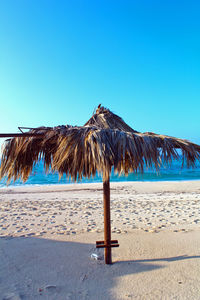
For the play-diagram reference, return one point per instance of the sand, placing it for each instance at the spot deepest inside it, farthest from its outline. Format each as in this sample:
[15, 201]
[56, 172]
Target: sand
[48, 234]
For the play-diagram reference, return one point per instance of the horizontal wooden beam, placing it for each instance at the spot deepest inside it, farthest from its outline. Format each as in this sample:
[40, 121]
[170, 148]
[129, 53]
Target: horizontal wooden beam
[26, 134]
[102, 244]
[107, 246]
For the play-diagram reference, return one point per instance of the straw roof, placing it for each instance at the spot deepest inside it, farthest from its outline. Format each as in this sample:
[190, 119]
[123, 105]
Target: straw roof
[105, 141]
[104, 118]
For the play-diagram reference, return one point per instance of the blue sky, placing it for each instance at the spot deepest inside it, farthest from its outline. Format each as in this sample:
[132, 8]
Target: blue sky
[141, 59]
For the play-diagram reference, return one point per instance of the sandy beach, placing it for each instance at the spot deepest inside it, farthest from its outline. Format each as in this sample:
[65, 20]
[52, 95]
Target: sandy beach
[48, 234]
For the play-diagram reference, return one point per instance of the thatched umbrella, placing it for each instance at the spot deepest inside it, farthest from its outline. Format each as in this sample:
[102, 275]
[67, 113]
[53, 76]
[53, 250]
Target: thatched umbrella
[103, 143]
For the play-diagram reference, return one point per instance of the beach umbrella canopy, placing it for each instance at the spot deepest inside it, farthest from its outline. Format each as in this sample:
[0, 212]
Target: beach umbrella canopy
[104, 143]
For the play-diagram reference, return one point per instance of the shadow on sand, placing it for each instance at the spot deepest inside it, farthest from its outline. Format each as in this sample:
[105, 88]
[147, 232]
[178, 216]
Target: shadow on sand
[39, 268]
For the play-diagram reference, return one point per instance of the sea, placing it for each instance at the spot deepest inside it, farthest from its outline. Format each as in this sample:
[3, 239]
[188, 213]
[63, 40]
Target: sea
[173, 172]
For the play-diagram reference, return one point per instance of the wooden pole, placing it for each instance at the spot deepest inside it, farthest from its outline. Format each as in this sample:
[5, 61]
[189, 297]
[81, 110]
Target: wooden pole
[107, 244]
[107, 225]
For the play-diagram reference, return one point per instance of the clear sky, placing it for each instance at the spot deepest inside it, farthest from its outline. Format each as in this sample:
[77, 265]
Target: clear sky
[60, 59]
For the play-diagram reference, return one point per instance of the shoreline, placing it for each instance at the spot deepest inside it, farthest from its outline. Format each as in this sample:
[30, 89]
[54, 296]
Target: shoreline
[93, 182]
[145, 186]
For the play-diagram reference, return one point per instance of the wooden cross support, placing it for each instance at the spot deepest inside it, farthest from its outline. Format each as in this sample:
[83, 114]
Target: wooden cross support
[102, 244]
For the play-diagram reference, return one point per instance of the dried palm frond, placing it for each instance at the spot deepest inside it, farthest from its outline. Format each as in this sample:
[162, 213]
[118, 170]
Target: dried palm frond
[104, 118]
[104, 142]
